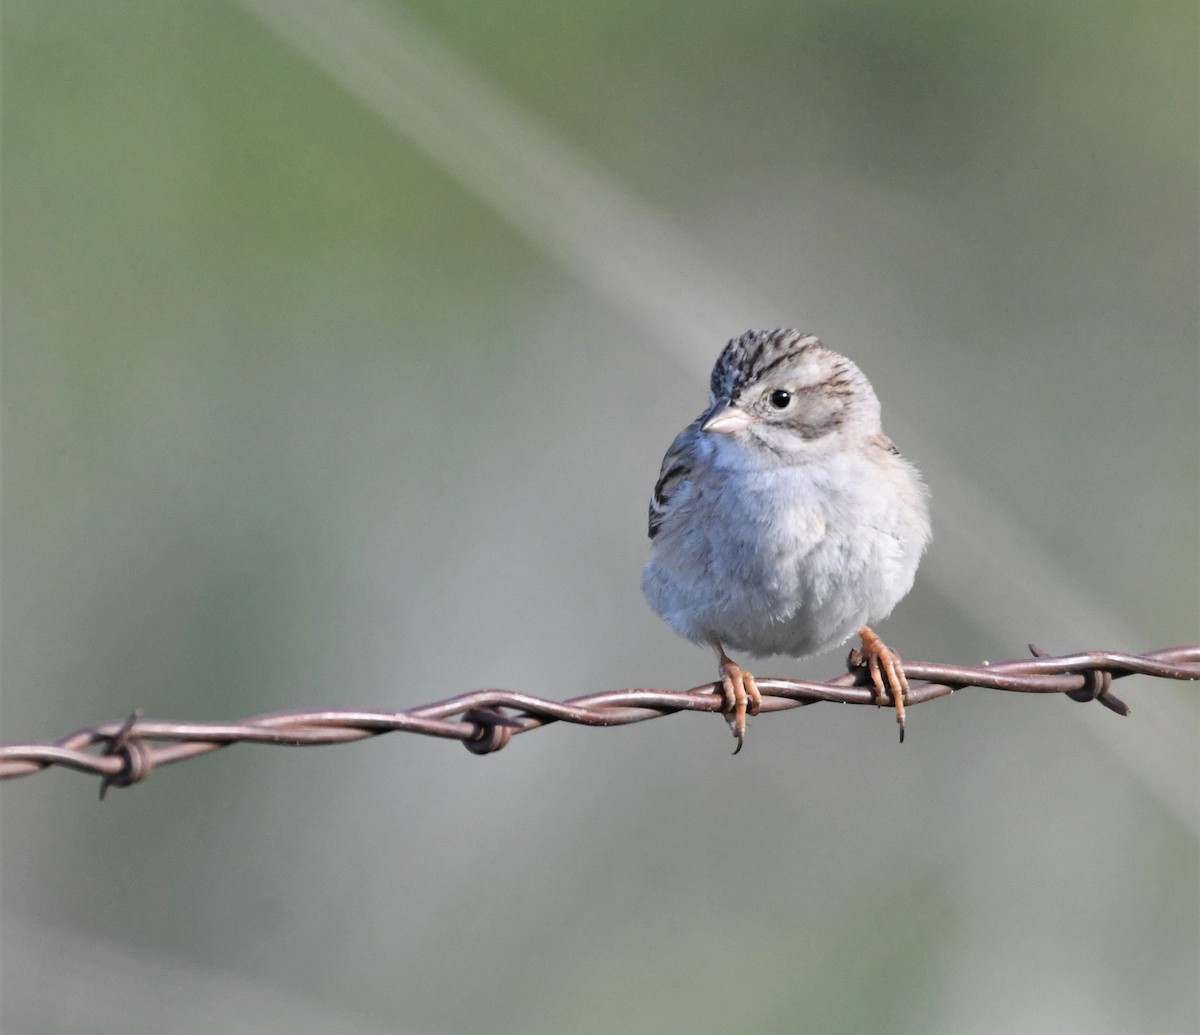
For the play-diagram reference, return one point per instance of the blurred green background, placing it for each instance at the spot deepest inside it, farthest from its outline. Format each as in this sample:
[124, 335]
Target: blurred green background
[341, 344]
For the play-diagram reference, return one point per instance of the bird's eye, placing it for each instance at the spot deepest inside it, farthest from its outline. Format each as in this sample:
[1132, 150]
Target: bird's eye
[780, 398]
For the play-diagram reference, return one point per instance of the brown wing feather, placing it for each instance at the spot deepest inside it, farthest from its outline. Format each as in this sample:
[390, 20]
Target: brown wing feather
[676, 468]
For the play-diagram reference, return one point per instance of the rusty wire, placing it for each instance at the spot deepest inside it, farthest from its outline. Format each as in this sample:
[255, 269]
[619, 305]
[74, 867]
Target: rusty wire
[485, 720]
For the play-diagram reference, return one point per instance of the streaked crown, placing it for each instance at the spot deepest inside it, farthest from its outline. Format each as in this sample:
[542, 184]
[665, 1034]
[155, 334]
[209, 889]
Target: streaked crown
[754, 356]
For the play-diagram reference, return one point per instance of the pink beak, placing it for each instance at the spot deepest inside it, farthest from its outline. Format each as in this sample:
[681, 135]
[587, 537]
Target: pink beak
[725, 419]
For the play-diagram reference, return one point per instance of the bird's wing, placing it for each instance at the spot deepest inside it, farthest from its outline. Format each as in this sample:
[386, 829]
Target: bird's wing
[676, 470]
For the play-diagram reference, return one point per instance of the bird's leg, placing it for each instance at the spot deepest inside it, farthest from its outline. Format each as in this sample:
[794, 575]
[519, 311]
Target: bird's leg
[887, 673]
[741, 694]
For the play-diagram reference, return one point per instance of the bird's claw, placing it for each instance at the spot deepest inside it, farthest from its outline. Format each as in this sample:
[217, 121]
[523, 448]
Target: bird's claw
[886, 670]
[741, 696]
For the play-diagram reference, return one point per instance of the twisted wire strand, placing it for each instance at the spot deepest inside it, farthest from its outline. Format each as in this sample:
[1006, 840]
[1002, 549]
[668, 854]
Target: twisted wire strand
[123, 753]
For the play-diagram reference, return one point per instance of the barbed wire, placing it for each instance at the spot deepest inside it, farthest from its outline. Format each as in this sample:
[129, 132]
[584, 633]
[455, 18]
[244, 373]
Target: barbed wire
[485, 720]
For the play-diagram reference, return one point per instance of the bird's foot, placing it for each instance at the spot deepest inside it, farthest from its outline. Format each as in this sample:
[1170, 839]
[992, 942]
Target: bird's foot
[887, 672]
[740, 692]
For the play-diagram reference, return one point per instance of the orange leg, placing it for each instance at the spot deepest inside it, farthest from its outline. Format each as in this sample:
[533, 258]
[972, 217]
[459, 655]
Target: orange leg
[741, 694]
[887, 673]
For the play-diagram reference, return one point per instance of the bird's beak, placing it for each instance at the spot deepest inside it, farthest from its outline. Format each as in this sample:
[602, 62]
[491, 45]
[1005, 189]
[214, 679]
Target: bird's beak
[725, 419]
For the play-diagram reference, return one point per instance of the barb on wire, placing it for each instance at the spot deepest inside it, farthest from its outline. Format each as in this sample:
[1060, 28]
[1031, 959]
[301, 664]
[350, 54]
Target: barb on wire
[123, 753]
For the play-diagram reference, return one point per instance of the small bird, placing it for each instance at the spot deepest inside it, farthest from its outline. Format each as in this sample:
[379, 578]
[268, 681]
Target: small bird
[784, 520]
